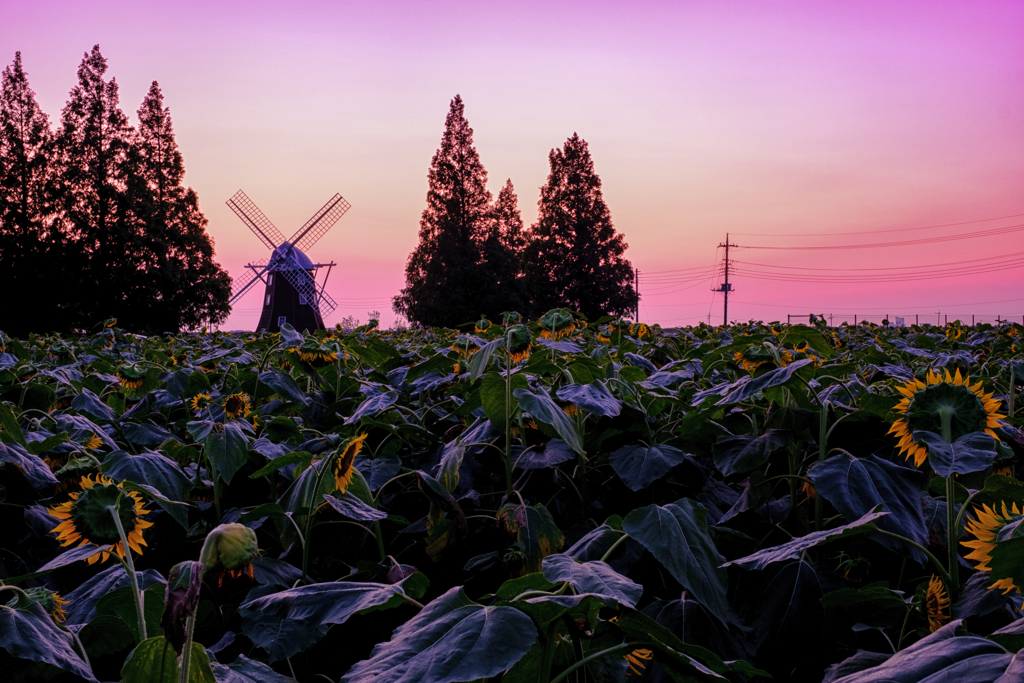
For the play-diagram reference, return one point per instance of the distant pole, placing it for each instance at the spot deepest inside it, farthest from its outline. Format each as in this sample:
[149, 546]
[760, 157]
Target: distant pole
[636, 289]
[725, 287]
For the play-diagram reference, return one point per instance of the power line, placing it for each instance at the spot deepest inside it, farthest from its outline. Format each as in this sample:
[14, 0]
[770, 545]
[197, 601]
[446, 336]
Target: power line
[904, 243]
[875, 232]
[959, 263]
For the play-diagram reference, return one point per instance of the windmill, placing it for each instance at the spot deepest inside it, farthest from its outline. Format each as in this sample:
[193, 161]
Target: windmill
[293, 294]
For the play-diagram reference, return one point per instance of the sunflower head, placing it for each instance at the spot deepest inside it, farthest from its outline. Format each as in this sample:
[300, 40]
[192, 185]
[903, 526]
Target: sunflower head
[511, 318]
[999, 538]
[557, 323]
[200, 402]
[50, 601]
[131, 377]
[343, 465]
[87, 517]
[968, 408]
[483, 324]
[92, 443]
[237, 406]
[229, 546]
[637, 661]
[519, 342]
[639, 330]
[465, 346]
[317, 354]
[936, 603]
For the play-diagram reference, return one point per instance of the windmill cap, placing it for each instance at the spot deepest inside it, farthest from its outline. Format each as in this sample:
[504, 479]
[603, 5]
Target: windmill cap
[287, 254]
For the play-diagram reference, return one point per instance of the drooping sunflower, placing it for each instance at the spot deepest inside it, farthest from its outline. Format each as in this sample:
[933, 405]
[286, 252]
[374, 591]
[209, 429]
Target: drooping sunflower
[51, 602]
[511, 318]
[237, 405]
[131, 377]
[519, 342]
[992, 529]
[558, 323]
[970, 408]
[87, 518]
[343, 467]
[482, 325]
[465, 346]
[936, 603]
[640, 330]
[317, 354]
[92, 443]
[637, 661]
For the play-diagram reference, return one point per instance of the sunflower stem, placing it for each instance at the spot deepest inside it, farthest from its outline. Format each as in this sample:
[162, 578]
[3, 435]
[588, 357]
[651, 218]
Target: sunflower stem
[508, 419]
[129, 566]
[379, 535]
[623, 647]
[951, 528]
[307, 537]
[939, 568]
[186, 653]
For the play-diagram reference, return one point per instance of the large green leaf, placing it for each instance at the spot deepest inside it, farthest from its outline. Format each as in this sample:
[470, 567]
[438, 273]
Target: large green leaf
[592, 577]
[284, 386]
[639, 465]
[677, 535]
[293, 620]
[793, 549]
[593, 398]
[492, 396]
[543, 409]
[156, 470]
[121, 603]
[744, 390]
[154, 661]
[349, 505]
[245, 670]
[970, 453]
[942, 656]
[874, 604]
[228, 449]
[452, 640]
[856, 486]
[29, 633]
[746, 452]
[10, 430]
[29, 465]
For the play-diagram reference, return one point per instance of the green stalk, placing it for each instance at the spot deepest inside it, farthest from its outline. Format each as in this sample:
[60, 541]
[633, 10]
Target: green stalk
[939, 568]
[307, 537]
[1013, 392]
[186, 653]
[822, 450]
[952, 535]
[508, 418]
[380, 539]
[549, 653]
[624, 647]
[129, 567]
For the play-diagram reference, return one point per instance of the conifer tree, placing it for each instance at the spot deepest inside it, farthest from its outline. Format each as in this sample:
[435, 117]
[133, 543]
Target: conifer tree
[183, 286]
[29, 253]
[93, 146]
[575, 258]
[502, 252]
[445, 275]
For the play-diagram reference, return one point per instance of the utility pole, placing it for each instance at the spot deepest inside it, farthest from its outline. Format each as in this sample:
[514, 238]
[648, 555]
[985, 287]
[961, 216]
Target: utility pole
[636, 290]
[725, 287]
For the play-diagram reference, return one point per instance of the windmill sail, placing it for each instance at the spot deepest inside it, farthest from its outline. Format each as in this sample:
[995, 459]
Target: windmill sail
[322, 221]
[250, 214]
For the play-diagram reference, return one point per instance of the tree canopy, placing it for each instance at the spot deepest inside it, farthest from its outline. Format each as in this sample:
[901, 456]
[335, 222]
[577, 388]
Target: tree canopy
[98, 222]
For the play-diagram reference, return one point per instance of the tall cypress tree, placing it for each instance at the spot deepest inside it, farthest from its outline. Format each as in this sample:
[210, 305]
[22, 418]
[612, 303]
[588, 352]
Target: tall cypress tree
[180, 284]
[444, 275]
[575, 258]
[502, 252]
[93, 148]
[29, 251]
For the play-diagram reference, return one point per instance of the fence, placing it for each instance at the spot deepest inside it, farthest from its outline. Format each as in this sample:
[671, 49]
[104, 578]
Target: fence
[910, 319]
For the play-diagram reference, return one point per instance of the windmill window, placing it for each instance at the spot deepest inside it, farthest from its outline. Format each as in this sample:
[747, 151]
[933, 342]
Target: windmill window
[302, 300]
[281, 320]
[267, 302]
[270, 279]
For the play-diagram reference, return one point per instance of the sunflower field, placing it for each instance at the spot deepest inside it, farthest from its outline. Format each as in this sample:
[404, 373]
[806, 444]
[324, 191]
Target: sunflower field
[530, 502]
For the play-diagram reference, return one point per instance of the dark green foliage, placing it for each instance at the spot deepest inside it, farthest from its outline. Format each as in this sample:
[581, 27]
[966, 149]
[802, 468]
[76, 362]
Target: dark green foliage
[575, 258]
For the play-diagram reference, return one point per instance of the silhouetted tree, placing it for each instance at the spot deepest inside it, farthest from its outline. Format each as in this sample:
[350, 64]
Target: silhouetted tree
[445, 274]
[29, 251]
[180, 284]
[575, 258]
[93, 158]
[502, 253]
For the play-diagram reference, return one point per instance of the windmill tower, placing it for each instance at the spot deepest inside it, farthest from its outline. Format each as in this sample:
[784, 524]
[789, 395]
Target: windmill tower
[293, 294]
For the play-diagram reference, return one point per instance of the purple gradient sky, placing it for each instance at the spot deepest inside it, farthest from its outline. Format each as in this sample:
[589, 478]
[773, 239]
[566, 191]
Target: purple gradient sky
[702, 117]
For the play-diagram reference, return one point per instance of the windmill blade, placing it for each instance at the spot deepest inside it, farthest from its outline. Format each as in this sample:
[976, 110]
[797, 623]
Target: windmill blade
[250, 214]
[243, 284]
[317, 226]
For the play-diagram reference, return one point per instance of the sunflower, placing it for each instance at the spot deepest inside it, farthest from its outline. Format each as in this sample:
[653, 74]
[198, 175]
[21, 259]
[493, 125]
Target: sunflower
[519, 342]
[131, 377]
[343, 466]
[557, 323]
[93, 443]
[237, 405]
[87, 518]
[991, 529]
[571, 410]
[809, 490]
[200, 402]
[640, 330]
[483, 324]
[936, 604]
[971, 410]
[465, 346]
[51, 602]
[318, 354]
[637, 661]
[511, 318]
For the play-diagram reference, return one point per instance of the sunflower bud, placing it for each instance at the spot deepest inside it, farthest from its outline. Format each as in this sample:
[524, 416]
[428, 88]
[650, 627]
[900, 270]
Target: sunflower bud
[230, 546]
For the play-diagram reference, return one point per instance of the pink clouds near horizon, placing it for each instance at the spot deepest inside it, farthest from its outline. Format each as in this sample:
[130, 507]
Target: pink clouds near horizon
[702, 117]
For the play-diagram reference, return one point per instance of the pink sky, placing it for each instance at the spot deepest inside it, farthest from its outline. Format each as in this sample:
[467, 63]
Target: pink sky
[702, 117]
